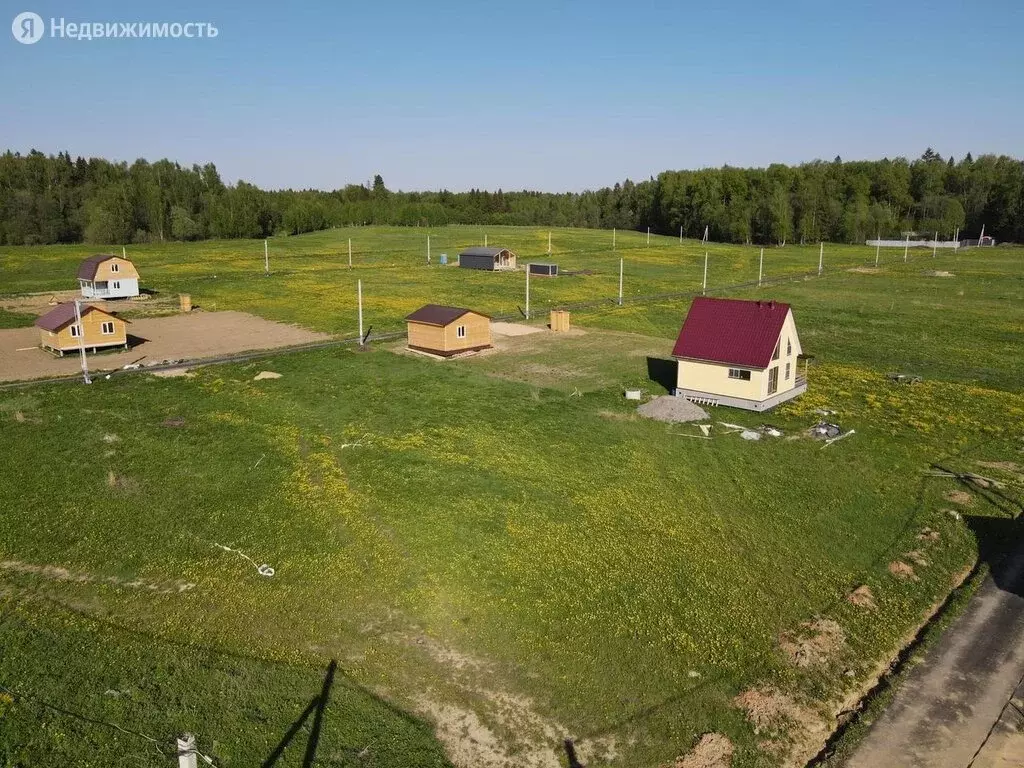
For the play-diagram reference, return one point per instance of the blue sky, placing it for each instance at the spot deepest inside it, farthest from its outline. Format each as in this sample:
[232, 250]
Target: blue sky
[542, 95]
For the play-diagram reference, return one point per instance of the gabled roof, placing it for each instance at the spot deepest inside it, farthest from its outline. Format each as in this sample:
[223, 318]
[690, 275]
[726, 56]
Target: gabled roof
[87, 269]
[437, 314]
[480, 250]
[731, 331]
[64, 314]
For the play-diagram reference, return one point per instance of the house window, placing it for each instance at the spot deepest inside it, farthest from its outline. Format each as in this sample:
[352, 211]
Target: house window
[115, 267]
[775, 354]
[115, 285]
[107, 329]
[461, 331]
[75, 332]
[787, 371]
[789, 348]
[773, 380]
[739, 373]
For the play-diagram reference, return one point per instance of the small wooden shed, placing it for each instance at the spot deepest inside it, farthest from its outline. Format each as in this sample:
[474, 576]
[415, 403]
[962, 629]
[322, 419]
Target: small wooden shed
[491, 259]
[447, 331]
[540, 269]
[99, 329]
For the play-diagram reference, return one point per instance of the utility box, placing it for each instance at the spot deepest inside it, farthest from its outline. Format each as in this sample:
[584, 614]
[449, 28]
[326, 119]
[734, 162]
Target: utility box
[444, 259]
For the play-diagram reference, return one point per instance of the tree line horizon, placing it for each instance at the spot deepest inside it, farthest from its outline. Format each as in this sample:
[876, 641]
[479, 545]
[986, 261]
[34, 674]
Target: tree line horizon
[49, 199]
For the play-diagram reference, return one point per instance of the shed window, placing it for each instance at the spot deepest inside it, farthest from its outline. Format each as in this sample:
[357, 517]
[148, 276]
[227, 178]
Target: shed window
[461, 332]
[115, 267]
[107, 328]
[75, 332]
[773, 380]
[787, 371]
[739, 373]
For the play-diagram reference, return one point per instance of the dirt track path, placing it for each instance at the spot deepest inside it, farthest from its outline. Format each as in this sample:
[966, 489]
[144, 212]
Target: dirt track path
[959, 706]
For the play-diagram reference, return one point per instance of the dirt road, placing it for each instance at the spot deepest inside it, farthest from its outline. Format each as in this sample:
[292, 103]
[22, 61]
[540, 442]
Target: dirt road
[180, 337]
[960, 707]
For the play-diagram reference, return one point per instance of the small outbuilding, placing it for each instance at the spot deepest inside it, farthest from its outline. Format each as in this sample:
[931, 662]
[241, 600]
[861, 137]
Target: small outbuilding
[106, 276]
[60, 332]
[447, 331]
[491, 259]
[540, 269]
[738, 353]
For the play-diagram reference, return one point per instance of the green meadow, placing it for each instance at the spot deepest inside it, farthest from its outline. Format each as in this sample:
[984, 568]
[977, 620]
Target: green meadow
[496, 551]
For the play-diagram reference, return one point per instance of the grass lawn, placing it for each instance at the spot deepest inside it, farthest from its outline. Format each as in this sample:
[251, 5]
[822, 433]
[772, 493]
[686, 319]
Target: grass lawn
[496, 546]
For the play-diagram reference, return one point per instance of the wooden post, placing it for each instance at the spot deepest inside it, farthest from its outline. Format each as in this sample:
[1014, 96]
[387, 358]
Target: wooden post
[428, 249]
[549, 243]
[350, 253]
[124, 253]
[935, 244]
[704, 287]
[485, 239]
[359, 289]
[906, 248]
[266, 258]
[760, 269]
[680, 234]
[648, 235]
[878, 246]
[821, 257]
[613, 238]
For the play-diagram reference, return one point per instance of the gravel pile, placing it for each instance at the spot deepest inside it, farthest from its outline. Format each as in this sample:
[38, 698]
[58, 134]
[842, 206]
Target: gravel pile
[673, 409]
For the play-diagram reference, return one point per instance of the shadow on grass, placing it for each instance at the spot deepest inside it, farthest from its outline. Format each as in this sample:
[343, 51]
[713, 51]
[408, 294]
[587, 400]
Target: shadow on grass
[316, 708]
[662, 372]
[1001, 547]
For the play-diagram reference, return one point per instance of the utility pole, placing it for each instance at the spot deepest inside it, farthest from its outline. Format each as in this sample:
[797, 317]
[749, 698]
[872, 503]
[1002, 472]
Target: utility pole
[350, 253]
[760, 269]
[485, 239]
[359, 289]
[956, 239]
[428, 249]
[187, 751]
[124, 253]
[878, 246]
[680, 234]
[549, 243]
[704, 287]
[613, 238]
[266, 258]
[648, 235]
[906, 248]
[620, 282]
[527, 291]
[81, 342]
[821, 257]
[935, 244]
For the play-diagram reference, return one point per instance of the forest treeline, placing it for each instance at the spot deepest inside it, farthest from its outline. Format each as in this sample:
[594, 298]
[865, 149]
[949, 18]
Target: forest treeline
[57, 199]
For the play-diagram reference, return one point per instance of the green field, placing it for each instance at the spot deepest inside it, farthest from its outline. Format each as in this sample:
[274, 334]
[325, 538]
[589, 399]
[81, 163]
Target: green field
[495, 548]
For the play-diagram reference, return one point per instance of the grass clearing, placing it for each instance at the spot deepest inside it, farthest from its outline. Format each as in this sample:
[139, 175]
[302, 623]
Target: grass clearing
[489, 551]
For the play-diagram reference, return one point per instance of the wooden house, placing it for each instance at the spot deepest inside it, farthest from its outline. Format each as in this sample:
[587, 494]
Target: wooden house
[491, 259]
[106, 276]
[448, 331]
[60, 332]
[738, 353]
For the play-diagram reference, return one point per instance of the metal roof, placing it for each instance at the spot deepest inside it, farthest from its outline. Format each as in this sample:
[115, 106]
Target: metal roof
[480, 250]
[731, 331]
[437, 314]
[63, 314]
[87, 269]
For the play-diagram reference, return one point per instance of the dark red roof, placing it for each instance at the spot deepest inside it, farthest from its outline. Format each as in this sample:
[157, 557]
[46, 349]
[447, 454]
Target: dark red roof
[731, 331]
[63, 314]
[87, 269]
[436, 314]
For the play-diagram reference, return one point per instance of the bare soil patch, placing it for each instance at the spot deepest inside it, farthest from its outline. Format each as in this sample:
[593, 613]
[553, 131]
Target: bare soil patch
[814, 644]
[937, 273]
[712, 751]
[57, 573]
[672, 409]
[865, 270]
[515, 329]
[963, 498]
[928, 535]
[1006, 466]
[862, 597]
[902, 570]
[181, 337]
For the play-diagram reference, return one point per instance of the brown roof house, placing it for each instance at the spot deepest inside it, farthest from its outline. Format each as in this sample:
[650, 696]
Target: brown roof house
[60, 332]
[738, 353]
[447, 331]
[106, 276]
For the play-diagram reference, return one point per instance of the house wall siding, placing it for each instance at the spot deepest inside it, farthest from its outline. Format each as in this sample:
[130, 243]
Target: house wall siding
[93, 335]
[125, 270]
[445, 339]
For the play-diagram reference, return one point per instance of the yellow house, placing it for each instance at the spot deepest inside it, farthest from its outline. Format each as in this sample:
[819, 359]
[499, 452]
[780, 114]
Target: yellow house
[738, 353]
[60, 332]
[106, 276]
[448, 331]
